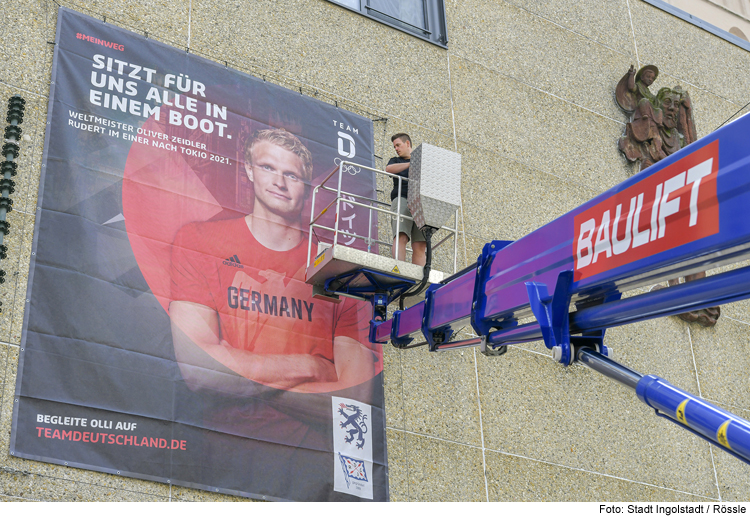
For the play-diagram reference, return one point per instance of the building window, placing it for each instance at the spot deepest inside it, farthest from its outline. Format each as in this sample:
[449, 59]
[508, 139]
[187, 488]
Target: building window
[422, 18]
[728, 19]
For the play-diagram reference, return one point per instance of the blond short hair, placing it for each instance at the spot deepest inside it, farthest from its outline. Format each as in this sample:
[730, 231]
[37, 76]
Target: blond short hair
[285, 140]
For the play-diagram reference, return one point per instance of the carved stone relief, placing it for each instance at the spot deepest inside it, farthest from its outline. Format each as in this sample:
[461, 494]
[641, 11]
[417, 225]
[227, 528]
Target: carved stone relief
[658, 125]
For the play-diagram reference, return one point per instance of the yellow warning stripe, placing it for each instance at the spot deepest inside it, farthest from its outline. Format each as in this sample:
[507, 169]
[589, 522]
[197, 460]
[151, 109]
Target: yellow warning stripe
[721, 434]
[317, 261]
[680, 413]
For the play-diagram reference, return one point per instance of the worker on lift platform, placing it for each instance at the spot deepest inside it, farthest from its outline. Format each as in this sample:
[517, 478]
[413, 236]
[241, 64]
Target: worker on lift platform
[404, 229]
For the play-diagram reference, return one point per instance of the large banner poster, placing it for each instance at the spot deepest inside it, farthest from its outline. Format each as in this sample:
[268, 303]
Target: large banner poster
[169, 334]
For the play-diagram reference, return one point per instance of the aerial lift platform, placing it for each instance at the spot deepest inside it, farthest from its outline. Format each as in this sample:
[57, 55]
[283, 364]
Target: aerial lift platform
[564, 282]
[338, 269]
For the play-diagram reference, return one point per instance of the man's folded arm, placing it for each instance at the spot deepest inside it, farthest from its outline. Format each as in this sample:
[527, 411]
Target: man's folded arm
[354, 363]
[208, 362]
[397, 168]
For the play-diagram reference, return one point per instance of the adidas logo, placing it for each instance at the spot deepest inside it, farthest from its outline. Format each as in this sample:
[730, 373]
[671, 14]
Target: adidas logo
[234, 261]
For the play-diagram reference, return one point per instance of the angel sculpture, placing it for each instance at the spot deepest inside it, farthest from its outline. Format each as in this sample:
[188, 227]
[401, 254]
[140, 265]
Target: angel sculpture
[659, 125]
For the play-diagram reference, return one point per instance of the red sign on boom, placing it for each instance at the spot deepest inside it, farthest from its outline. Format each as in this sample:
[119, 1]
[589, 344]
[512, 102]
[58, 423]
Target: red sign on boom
[672, 207]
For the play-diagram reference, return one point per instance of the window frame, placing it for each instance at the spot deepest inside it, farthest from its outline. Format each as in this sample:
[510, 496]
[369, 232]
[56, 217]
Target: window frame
[434, 14]
[697, 21]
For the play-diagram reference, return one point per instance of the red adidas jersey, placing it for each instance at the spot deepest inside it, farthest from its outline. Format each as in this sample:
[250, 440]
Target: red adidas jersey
[263, 303]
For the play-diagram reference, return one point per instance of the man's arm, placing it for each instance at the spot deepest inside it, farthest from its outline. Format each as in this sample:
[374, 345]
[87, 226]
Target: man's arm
[397, 168]
[354, 363]
[208, 362]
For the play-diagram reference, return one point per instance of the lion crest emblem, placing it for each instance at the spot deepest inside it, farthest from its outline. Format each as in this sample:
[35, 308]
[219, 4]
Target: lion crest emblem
[354, 424]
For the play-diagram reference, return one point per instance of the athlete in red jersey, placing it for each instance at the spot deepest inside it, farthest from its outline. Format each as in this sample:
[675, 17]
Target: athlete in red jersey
[241, 305]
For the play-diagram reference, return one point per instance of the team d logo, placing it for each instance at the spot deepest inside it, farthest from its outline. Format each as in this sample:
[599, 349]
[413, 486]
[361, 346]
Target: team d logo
[346, 145]
[352, 447]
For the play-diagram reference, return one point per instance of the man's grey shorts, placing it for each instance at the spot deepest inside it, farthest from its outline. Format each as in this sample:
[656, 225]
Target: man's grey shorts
[407, 226]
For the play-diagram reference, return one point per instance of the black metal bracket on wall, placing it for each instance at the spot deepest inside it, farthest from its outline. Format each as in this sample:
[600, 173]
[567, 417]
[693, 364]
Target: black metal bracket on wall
[8, 168]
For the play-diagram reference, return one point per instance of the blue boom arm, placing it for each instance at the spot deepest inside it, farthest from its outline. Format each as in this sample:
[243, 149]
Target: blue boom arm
[686, 214]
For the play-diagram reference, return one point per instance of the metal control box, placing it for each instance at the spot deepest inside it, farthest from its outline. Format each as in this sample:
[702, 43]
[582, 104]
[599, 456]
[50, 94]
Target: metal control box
[434, 185]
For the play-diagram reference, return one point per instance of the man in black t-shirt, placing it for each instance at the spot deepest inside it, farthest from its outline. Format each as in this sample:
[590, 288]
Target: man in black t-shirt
[407, 229]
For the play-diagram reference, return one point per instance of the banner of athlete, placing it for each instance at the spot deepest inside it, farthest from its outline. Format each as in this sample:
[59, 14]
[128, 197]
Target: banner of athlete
[169, 333]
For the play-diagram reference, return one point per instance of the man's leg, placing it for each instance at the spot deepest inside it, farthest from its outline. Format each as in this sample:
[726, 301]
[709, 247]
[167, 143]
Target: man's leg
[400, 243]
[418, 252]
[400, 226]
[418, 246]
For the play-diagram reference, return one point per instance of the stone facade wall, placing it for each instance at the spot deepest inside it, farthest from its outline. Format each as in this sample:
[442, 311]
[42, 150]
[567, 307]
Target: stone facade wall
[525, 92]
